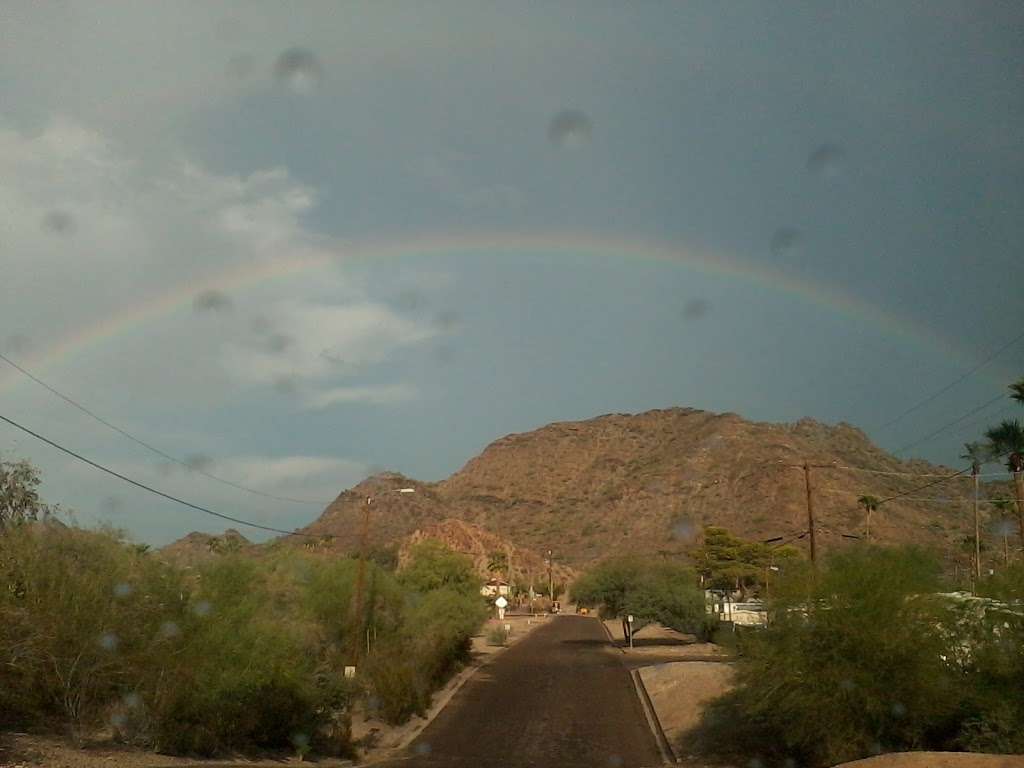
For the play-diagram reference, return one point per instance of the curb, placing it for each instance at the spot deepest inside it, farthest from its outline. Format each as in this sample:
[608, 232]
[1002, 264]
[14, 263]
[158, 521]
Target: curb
[611, 638]
[668, 756]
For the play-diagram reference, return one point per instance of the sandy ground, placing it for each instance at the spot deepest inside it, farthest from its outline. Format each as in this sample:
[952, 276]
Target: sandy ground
[938, 760]
[19, 750]
[679, 690]
[379, 741]
[657, 644]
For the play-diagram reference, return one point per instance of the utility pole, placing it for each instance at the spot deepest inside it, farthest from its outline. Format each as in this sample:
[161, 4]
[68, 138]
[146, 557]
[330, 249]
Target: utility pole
[810, 515]
[551, 582]
[977, 526]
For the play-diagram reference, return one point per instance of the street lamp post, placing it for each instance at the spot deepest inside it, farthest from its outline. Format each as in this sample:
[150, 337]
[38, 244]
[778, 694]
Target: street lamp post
[361, 571]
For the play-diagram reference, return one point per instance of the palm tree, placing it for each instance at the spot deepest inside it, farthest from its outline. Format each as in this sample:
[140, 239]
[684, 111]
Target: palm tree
[870, 504]
[1008, 439]
[977, 453]
[1017, 388]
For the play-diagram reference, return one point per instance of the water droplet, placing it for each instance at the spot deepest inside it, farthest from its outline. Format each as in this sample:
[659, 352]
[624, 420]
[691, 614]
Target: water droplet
[684, 529]
[423, 748]
[410, 301]
[694, 309]
[875, 748]
[202, 608]
[198, 462]
[755, 762]
[17, 344]
[240, 66]
[122, 590]
[132, 700]
[112, 505]
[1003, 527]
[826, 161]
[444, 354]
[898, 709]
[118, 720]
[614, 761]
[109, 641]
[847, 685]
[278, 342]
[789, 762]
[373, 703]
[169, 629]
[786, 242]
[569, 128]
[286, 385]
[211, 301]
[300, 740]
[299, 70]
[446, 320]
[260, 324]
[59, 222]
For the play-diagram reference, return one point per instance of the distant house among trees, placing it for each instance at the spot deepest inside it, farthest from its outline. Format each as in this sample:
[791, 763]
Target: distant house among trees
[495, 588]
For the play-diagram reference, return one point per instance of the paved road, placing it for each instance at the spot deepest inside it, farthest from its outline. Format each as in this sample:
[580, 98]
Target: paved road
[559, 698]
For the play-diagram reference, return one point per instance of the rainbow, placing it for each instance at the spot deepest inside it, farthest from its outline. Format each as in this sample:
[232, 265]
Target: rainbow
[239, 278]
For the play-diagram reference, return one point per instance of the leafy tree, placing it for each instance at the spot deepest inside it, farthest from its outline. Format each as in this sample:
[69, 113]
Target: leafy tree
[728, 562]
[649, 590]
[19, 493]
[433, 566]
[497, 563]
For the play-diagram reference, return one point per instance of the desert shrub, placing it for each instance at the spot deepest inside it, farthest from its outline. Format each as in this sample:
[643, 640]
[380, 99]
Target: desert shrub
[652, 591]
[852, 664]
[398, 689]
[433, 566]
[497, 636]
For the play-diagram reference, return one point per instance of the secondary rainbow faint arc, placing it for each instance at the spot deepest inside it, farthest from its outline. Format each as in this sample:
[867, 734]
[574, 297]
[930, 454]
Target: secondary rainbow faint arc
[239, 277]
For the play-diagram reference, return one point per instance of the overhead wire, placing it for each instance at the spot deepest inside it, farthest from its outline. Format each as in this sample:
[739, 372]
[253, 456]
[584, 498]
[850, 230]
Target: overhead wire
[149, 488]
[153, 449]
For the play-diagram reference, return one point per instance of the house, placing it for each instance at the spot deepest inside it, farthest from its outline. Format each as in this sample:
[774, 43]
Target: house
[495, 588]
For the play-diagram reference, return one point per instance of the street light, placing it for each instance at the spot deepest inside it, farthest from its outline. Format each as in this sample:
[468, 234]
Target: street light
[361, 571]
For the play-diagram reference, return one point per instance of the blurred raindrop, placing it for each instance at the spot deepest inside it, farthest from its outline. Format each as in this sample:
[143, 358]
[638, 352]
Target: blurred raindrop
[898, 709]
[694, 309]
[373, 702]
[278, 342]
[240, 66]
[755, 762]
[569, 128]
[132, 700]
[446, 319]
[614, 761]
[445, 354]
[119, 720]
[1002, 527]
[211, 301]
[410, 301]
[684, 529]
[164, 468]
[199, 462]
[59, 222]
[286, 385]
[826, 161]
[109, 641]
[260, 324]
[169, 629]
[17, 344]
[300, 740]
[789, 762]
[847, 685]
[423, 748]
[112, 505]
[202, 608]
[299, 70]
[122, 590]
[786, 242]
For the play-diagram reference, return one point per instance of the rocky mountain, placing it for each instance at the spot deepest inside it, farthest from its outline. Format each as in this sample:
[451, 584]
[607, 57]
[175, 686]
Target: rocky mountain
[198, 547]
[649, 482]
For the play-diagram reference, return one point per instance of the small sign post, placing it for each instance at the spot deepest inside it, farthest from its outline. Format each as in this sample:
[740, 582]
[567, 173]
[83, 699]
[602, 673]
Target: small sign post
[501, 603]
[629, 620]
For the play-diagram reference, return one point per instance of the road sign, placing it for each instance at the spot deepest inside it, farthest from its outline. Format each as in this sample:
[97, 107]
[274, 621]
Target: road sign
[501, 602]
[630, 618]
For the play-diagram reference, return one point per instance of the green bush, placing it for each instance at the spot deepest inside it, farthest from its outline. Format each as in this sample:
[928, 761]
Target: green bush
[660, 591]
[497, 636]
[853, 663]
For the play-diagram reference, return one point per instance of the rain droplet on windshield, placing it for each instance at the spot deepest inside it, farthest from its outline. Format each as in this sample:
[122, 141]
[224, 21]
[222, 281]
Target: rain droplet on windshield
[122, 590]
[286, 385]
[277, 343]
[299, 70]
[202, 608]
[569, 128]
[109, 641]
[59, 222]
[694, 309]
[199, 462]
[211, 301]
[17, 344]
[826, 161]
[786, 242]
[684, 529]
[446, 319]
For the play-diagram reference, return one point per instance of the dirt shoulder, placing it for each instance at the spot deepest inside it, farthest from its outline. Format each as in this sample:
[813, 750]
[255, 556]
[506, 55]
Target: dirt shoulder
[937, 760]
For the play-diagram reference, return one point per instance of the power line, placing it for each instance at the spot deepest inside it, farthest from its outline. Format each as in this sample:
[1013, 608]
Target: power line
[952, 384]
[145, 487]
[74, 403]
[946, 426]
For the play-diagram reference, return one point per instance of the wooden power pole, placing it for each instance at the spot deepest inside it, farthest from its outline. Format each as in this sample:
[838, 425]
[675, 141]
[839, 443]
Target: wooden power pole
[810, 515]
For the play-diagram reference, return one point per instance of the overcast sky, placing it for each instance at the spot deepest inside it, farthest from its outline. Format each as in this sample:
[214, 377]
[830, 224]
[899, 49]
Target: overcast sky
[291, 245]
